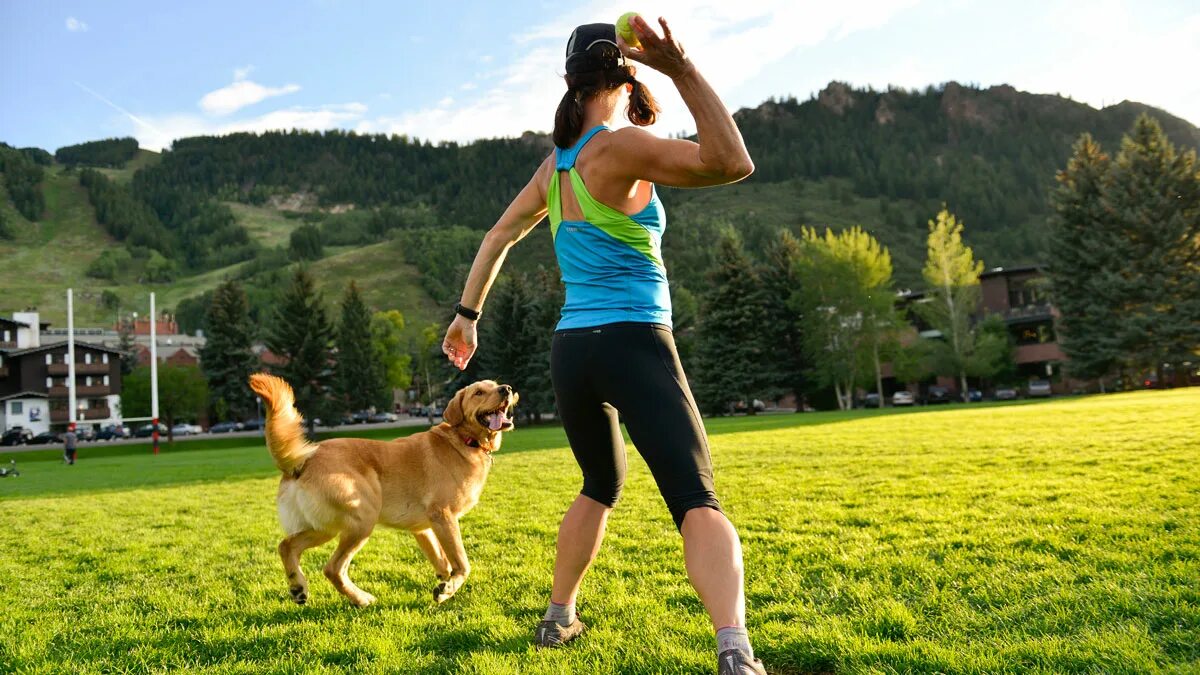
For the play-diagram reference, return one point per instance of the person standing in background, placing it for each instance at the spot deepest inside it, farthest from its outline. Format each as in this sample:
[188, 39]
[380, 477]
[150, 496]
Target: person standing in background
[70, 440]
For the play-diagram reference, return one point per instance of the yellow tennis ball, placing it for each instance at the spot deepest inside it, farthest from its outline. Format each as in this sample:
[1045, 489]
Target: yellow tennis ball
[626, 31]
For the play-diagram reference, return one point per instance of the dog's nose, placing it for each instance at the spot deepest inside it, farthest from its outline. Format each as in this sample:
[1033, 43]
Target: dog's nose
[505, 390]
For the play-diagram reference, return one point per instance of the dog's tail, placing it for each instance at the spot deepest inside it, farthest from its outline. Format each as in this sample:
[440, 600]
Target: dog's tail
[285, 426]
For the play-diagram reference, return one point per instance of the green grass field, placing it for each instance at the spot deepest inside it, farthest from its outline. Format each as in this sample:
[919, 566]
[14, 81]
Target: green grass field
[1054, 537]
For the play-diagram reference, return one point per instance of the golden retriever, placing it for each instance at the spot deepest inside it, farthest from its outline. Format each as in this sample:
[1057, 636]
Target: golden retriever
[344, 487]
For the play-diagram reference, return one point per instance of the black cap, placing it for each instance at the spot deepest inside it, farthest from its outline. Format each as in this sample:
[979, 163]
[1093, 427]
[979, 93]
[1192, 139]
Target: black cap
[593, 46]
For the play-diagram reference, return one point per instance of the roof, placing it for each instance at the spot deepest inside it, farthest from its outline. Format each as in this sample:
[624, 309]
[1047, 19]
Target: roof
[25, 394]
[56, 345]
[11, 322]
[1005, 271]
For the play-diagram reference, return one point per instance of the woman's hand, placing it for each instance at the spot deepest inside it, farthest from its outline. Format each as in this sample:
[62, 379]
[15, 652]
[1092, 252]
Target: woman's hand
[663, 54]
[461, 342]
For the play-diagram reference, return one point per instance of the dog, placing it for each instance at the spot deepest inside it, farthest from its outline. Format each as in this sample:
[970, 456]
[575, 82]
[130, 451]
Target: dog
[344, 487]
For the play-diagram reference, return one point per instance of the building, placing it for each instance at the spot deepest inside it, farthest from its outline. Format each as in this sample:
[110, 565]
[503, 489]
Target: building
[33, 379]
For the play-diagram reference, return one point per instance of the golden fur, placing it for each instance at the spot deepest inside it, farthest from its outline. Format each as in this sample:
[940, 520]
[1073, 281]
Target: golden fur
[344, 487]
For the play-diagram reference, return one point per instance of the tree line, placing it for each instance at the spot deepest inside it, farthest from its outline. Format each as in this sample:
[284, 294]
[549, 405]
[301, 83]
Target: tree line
[1125, 240]
[109, 152]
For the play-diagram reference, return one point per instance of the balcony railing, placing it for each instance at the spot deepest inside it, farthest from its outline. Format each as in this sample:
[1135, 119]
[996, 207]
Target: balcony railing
[1037, 311]
[60, 415]
[80, 391]
[80, 369]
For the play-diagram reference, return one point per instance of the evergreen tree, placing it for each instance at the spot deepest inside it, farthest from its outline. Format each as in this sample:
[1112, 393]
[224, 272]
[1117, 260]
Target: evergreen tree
[1085, 245]
[305, 243]
[227, 357]
[515, 342]
[302, 337]
[128, 348]
[730, 343]
[1155, 197]
[952, 274]
[784, 332]
[361, 379]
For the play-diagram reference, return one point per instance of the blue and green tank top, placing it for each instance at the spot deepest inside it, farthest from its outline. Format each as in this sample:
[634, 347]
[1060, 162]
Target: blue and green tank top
[611, 263]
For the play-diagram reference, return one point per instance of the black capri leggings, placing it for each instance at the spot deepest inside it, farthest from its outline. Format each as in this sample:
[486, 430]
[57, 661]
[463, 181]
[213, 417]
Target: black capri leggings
[631, 369]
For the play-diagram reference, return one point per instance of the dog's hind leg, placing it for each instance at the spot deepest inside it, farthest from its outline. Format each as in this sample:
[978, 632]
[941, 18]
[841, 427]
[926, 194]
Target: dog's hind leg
[290, 550]
[445, 527]
[336, 569]
[429, 546]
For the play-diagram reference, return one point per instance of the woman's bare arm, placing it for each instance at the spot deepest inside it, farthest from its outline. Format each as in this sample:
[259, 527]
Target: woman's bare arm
[720, 157]
[521, 216]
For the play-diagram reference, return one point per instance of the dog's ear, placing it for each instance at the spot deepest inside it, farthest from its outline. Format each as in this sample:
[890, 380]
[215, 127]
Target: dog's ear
[453, 414]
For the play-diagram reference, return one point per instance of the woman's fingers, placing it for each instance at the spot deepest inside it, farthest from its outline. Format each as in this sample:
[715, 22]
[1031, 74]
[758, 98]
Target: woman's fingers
[630, 52]
[645, 33]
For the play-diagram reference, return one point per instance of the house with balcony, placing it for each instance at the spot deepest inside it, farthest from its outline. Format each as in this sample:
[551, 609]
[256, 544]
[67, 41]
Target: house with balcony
[34, 391]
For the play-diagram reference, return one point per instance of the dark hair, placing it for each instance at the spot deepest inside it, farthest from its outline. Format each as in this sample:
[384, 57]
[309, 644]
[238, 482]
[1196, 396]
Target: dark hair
[568, 119]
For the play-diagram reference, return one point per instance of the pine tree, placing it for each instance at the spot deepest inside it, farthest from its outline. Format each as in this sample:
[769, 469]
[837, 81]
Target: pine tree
[128, 348]
[952, 274]
[1155, 197]
[730, 344]
[785, 330]
[361, 380]
[227, 358]
[1085, 246]
[302, 337]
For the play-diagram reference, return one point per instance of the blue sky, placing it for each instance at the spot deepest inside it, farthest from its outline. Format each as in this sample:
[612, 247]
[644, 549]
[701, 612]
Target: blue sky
[75, 71]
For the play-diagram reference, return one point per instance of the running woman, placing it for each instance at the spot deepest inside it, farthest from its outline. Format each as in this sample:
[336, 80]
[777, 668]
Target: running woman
[613, 350]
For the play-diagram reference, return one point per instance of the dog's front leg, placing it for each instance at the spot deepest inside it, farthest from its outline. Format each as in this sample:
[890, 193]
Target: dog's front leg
[445, 528]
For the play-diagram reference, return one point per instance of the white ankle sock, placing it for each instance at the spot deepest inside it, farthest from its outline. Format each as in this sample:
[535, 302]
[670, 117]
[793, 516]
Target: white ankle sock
[563, 615]
[734, 637]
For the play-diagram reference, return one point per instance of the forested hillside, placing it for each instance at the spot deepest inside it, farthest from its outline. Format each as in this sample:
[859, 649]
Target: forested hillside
[249, 206]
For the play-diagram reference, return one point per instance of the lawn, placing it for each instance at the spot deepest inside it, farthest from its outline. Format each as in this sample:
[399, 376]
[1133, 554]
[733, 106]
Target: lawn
[1055, 537]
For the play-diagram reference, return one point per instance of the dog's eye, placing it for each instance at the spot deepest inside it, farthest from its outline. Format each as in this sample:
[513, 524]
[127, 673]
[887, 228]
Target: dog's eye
[479, 392]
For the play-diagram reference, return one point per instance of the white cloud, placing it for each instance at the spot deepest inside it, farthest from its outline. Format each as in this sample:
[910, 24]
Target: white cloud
[241, 93]
[76, 26]
[730, 42]
[157, 133]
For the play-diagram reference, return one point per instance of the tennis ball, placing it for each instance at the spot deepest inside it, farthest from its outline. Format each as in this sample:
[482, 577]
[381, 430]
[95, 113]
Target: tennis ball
[626, 31]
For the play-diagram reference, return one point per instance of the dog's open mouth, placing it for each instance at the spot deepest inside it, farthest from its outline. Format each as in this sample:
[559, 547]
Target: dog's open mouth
[497, 420]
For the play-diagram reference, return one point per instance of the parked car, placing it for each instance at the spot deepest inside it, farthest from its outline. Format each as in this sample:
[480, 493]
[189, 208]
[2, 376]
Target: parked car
[16, 436]
[225, 427]
[381, 417]
[253, 425]
[147, 430]
[902, 398]
[1005, 394]
[185, 429]
[360, 417]
[937, 395]
[46, 438]
[112, 432]
[85, 433]
[1038, 389]
[871, 400]
[974, 396]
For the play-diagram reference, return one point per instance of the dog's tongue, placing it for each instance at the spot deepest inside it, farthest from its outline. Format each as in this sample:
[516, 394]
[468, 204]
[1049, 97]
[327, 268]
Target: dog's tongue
[498, 419]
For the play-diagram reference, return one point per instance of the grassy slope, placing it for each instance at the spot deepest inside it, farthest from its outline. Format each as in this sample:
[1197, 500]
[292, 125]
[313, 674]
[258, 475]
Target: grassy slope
[1057, 537]
[125, 174]
[53, 254]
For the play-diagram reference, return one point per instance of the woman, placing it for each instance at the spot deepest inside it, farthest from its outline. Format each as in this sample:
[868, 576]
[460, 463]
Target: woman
[613, 349]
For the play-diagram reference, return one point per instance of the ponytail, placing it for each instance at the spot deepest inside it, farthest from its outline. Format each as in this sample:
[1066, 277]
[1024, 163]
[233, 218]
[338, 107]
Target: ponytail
[642, 109]
[568, 119]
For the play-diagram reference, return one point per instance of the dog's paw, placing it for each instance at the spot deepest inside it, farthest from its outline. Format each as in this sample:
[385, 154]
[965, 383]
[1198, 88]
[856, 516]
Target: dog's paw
[446, 590]
[299, 594]
[362, 599]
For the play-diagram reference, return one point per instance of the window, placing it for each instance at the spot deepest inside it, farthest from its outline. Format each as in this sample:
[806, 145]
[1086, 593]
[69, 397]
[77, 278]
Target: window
[49, 358]
[106, 380]
[87, 381]
[49, 382]
[17, 407]
[6, 338]
[104, 359]
[87, 358]
[1033, 334]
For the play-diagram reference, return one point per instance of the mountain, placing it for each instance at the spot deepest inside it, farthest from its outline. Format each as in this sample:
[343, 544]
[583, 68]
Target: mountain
[403, 216]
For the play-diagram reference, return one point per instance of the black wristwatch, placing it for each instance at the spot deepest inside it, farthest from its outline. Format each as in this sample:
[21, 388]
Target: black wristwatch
[466, 312]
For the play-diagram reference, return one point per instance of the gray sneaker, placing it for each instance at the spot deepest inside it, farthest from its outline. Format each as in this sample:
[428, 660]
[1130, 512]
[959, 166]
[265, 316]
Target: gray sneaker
[550, 634]
[738, 662]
